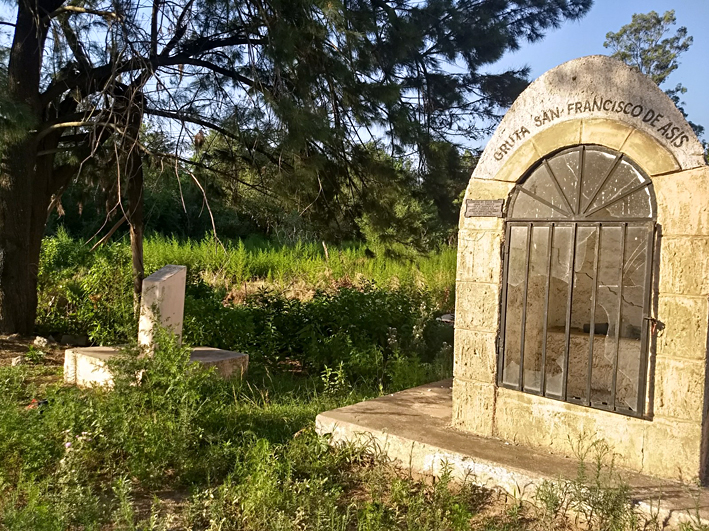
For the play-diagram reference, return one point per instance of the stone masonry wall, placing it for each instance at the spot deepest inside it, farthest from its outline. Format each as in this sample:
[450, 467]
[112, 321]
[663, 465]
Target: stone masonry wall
[670, 441]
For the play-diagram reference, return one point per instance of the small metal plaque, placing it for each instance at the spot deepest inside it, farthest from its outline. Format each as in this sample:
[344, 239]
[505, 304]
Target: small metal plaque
[484, 208]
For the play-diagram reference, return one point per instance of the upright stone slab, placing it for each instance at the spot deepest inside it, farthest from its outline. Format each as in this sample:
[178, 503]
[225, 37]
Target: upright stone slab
[162, 302]
[581, 305]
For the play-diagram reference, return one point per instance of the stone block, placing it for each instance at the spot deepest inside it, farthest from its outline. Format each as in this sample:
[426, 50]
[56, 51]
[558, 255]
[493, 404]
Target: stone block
[473, 406]
[686, 321]
[680, 213]
[523, 158]
[672, 450]
[86, 367]
[605, 132]
[559, 135]
[684, 265]
[477, 306]
[163, 301]
[679, 389]
[650, 155]
[475, 356]
[479, 256]
[485, 189]
[226, 363]
[559, 427]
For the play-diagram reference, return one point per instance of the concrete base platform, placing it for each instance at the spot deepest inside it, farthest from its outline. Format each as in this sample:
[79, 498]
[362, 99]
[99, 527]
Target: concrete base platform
[86, 366]
[414, 428]
[227, 363]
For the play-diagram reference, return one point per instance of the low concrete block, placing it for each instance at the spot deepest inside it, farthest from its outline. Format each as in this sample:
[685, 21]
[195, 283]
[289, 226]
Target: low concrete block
[413, 427]
[227, 363]
[86, 367]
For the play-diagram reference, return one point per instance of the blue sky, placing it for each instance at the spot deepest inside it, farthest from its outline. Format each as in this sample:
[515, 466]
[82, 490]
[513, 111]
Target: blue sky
[586, 36]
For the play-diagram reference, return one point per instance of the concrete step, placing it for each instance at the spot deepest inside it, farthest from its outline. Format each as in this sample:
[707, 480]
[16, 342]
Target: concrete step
[413, 427]
[86, 366]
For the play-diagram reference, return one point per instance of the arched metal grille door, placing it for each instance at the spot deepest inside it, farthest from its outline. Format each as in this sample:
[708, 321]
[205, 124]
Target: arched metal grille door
[576, 292]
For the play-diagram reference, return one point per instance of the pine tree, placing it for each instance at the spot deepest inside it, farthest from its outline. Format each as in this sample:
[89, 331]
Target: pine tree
[300, 80]
[648, 44]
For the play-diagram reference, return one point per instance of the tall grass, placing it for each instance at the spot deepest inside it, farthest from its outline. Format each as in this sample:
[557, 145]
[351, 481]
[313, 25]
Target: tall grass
[376, 316]
[232, 263]
[242, 455]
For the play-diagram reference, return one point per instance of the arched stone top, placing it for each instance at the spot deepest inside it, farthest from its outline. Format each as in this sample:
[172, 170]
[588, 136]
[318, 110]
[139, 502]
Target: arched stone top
[592, 99]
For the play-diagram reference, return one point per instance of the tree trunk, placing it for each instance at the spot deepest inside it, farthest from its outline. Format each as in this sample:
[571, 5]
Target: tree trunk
[134, 169]
[21, 199]
[24, 180]
[134, 190]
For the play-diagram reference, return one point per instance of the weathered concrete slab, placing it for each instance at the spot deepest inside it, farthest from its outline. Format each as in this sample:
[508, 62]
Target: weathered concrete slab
[414, 428]
[86, 367]
[226, 363]
[162, 302]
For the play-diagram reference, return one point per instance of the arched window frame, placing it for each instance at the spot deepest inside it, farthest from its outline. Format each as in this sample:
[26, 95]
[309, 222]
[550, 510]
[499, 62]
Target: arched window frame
[584, 215]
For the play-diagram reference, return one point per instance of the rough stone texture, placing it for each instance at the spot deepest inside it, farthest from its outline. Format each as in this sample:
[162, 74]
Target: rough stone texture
[485, 189]
[86, 367]
[226, 363]
[679, 389]
[652, 155]
[685, 321]
[524, 157]
[474, 406]
[164, 293]
[684, 265]
[672, 449]
[609, 133]
[680, 213]
[582, 80]
[479, 256]
[413, 428]
[477, 306]
[555, 426]
[557, 136]
[478, 358]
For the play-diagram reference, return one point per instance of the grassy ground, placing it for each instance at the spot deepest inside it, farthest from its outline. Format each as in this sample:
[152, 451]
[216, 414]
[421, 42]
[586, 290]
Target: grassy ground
[183, 449]
[187, 450]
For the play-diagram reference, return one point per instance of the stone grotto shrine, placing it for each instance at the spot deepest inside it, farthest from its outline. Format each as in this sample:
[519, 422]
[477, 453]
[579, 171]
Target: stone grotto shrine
[582, 306]
[583, 274]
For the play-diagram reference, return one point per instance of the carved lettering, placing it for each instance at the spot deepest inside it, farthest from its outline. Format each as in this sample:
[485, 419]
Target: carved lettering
[667, 129]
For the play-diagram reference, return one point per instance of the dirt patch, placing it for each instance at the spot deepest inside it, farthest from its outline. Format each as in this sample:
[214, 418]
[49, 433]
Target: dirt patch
[16, 345]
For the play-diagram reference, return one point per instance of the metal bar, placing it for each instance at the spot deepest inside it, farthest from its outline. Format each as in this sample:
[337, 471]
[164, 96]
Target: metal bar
[542, 201]
[605, 179]
[569, 302]
[558, 186]
[592, 330]
[608, 223]
[582, 160]
[645, 337]
[619, 198]
[624, 230]
[503, 314]
[530, 228]
[543, 382]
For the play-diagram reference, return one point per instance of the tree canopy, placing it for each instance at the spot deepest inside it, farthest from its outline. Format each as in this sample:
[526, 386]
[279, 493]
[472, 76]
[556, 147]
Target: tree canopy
[649, 44]
[298, 85]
